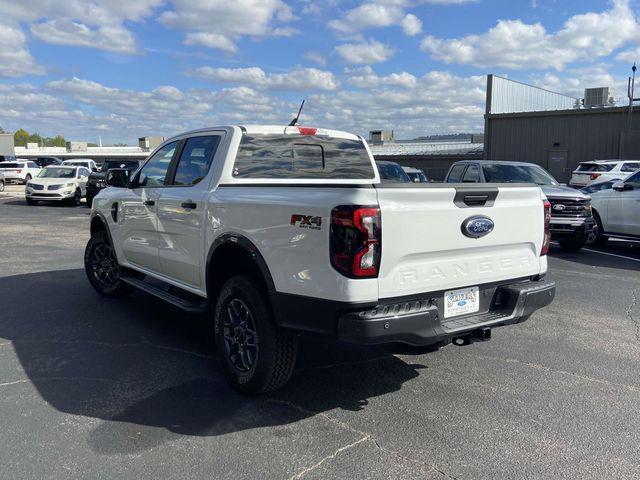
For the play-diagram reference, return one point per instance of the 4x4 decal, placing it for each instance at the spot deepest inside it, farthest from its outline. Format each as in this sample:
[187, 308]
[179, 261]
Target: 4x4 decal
[306, 221]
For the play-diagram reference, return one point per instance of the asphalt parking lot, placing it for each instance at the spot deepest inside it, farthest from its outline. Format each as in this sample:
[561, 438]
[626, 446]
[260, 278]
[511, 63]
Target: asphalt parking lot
[98, 388]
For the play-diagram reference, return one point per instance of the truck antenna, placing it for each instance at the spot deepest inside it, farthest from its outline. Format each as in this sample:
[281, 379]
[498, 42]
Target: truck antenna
[295, 120]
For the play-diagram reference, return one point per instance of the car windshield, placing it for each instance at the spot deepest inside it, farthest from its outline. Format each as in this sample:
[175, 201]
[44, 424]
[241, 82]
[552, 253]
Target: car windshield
[496, 173]
[392, 172]
[128, 164]
[57, 172]
[595, 167]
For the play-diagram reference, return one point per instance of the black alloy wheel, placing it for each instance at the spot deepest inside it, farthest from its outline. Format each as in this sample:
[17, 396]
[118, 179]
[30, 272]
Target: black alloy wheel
[240, 335]
[102, 268]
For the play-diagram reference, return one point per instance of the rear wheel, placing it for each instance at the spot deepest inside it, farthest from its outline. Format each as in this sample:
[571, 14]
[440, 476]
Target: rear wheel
[1, 185]
[102, 269]
[27, 178]
[256, 355]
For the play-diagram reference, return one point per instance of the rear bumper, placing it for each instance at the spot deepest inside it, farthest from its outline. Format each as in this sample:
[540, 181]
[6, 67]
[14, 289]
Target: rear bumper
[417, 320]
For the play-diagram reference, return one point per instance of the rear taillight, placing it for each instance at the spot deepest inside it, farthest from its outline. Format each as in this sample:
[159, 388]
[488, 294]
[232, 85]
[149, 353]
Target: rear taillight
[19, 170]
[594, 175]
[355, 243]
[547, 228]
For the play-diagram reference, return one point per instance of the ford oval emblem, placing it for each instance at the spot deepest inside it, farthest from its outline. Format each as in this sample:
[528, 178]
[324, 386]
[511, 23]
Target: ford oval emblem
[476, 227]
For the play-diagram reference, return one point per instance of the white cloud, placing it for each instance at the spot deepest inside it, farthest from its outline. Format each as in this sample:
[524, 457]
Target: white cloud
[514, 44]
[368, 15]
[316, 58]
[365, 77]
[112, 38]
[218, 24]
[365, 52]
[211, 40]
[411, 25]
[15, 59]
[297, 79]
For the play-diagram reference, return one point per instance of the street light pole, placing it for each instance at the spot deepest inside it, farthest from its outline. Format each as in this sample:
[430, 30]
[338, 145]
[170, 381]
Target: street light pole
[630, 91]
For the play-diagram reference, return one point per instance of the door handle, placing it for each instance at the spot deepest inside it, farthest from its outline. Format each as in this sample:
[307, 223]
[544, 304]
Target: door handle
[189, 205]
[149, 203]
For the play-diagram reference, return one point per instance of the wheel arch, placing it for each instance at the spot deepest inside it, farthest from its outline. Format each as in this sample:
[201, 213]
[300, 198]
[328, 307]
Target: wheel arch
[234, 254]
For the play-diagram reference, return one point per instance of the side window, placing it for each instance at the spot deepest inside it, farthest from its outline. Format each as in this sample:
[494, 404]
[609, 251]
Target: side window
[456, 174]
[155, 170]
[195, 160]
[472, 175]
[630, 167]
[83, 172]
[634, 180]
[32, 165]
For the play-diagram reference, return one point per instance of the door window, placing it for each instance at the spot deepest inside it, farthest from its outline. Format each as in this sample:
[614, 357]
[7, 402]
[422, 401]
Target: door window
[154, 172]
[195, 160]
[634, 180]
[472, 175]
[630, 167]
[456, 174]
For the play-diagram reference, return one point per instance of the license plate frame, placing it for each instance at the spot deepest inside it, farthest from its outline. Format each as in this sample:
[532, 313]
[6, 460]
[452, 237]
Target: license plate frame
[462, 301]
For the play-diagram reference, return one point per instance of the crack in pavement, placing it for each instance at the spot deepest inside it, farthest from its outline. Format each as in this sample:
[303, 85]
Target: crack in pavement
[537, 366]
[143, 342]
[40, 379]
[365, 436]
[630, 308]
[302, 473]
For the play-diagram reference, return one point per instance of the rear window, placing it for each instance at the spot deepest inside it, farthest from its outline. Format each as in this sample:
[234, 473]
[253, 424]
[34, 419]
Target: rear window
[496, 173]
[307, 156]
[595, 167]
[11, 165]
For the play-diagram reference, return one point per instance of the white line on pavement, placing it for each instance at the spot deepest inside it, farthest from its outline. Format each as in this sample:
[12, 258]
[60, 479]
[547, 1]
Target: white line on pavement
[612, 254]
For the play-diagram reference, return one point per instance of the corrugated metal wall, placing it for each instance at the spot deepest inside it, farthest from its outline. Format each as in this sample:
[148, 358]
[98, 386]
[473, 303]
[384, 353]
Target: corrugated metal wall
[584, 134]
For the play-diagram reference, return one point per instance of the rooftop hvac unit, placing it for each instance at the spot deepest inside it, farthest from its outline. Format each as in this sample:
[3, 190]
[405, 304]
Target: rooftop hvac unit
[596, 97]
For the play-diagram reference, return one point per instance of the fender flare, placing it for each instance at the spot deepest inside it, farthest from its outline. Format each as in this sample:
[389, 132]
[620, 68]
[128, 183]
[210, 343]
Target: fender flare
[247, 245]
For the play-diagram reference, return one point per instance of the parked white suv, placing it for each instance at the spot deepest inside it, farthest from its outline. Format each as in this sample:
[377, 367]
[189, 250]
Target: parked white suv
[58, 183]
[602, 170]
[617, 211]
[19, 171]
[285, 230]
[82, 162]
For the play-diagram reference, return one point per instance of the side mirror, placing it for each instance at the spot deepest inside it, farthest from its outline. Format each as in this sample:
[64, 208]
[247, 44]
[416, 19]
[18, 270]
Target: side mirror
[622, 187]
[117, 177]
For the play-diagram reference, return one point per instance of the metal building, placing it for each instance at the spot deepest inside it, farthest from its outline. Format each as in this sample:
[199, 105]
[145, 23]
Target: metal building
[530, 124]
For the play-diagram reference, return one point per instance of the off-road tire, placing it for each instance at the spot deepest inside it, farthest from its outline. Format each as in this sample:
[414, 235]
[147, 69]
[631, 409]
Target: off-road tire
[97, 247]
[277, 349]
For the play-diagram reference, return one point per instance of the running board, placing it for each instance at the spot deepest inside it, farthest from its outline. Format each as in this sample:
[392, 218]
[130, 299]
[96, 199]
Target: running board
[197, 306]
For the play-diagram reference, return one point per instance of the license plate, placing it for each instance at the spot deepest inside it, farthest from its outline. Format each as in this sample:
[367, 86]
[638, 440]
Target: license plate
[461, 302]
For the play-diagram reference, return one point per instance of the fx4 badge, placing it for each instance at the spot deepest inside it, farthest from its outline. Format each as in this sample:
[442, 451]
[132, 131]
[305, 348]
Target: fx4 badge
[306, 221]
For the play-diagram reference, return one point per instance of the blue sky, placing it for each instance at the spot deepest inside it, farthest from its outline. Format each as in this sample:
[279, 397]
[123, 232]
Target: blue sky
[126, 68]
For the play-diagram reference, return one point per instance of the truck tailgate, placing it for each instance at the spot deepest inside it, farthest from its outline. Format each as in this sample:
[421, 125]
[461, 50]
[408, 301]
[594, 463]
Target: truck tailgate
[424, 248]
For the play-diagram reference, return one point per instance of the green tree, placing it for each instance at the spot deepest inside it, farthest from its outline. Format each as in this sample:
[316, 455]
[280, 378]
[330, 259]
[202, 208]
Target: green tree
[21, 137]
[59, 141]
[2, 130]
[35, 138]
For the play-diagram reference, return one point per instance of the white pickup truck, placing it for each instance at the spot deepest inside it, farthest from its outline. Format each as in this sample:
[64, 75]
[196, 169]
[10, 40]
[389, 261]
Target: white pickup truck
[280, 231]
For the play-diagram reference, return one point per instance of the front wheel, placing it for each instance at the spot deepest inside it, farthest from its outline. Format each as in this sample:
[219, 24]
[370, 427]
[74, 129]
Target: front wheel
[256, 355]
[1, 185]
[596, 237]
[102, 269]
[77, 197]
[31, 201]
